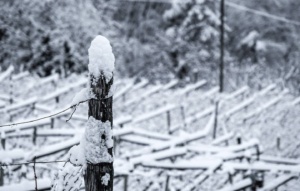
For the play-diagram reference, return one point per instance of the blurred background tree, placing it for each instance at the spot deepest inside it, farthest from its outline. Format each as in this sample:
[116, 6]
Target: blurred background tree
[157, 40]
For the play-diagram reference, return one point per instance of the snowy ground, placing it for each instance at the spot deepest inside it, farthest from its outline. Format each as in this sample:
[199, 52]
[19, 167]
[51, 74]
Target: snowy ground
[163, 134]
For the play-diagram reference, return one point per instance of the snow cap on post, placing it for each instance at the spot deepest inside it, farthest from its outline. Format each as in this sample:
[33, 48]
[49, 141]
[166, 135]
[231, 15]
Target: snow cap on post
[101, 58]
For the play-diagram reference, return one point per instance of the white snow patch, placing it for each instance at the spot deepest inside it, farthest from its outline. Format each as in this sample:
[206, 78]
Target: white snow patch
[250, 39]
[77, 156]
[98, 137]
[101, 58]
[260, 45]
[105, 179]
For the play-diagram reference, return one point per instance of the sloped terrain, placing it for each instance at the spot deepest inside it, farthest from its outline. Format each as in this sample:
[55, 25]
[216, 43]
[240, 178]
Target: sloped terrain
[164, 134]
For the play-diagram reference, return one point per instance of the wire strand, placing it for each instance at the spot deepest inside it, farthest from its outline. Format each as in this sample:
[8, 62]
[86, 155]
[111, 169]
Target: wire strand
[52, 115]
[36, 162]
[261, 13]
[38, 119]
[230, 4]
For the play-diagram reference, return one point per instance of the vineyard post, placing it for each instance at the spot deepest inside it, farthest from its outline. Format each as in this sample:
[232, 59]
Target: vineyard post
[101, 109]
[10, 90]
[239, 139]
[183, 115]
[216, 119]
[278, 143]
[100, 173]
[1, 175]
[167, 183]
[125, 182]
[10, 96]
[3, 140]
[1, 169]
[57, 99]
[169, 121]
[52, 123]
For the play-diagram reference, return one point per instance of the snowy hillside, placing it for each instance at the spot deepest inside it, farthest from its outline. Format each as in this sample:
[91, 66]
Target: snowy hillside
[167, 137]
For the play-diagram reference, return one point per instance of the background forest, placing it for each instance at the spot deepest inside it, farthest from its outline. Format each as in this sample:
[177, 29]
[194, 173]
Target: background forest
[157, 40]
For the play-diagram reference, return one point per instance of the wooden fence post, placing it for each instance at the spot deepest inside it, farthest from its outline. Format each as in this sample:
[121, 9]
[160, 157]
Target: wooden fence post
[169, 122]
[52, 123]
[167, 183]
[3, 140]
[278, 143]
[183, 115]
[10, 96]
[239, 139]
[57, 99]
[99, 172]
[100, 109]
[10, 90]
[125, 182]
[34, 135]
[2, 137]
[1, 175]
[216, 120]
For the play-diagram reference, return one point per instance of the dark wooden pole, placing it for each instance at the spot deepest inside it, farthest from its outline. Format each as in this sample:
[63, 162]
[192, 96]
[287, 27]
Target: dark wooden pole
[221, 75]
[169, 122]
[100, 109]
[1, 176]
[216, 120]
[221, 80]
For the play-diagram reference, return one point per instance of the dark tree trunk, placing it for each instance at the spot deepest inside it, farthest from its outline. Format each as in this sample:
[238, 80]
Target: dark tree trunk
[101, 109]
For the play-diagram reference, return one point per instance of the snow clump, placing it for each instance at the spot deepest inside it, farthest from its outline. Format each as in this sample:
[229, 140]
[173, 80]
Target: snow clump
[105, 179]
[101, 58]
[96, 150]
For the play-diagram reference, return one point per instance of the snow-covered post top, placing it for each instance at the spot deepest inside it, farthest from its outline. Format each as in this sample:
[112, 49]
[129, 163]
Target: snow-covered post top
[98, 137]
[101, 58]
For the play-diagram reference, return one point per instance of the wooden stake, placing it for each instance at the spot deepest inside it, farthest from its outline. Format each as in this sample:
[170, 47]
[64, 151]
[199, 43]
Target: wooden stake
[167, 183]
[3, 141]
[221, 77]
[1, 175]
[101, 109]
[278, 143]
[169, 122]
[34, 135]
[125, 182]
[183, 116]
[216, 120]
[35, 177]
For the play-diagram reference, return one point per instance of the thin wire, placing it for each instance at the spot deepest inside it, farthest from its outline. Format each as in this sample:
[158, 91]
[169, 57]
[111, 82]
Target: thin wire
[38, 119]
[49, 116]
[230, 4]
[264, 14]
[35, 178]
[36, 162]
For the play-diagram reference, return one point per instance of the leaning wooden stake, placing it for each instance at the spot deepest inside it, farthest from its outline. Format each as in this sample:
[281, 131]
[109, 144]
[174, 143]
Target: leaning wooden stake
[99, 154]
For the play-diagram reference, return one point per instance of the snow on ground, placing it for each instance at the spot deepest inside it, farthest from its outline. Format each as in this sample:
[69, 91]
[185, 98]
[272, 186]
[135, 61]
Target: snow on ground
[163, 134]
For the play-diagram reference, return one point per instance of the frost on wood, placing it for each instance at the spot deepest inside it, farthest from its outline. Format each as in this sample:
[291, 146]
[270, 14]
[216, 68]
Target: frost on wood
[98, 139]
[105, 179]
[101, 58]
